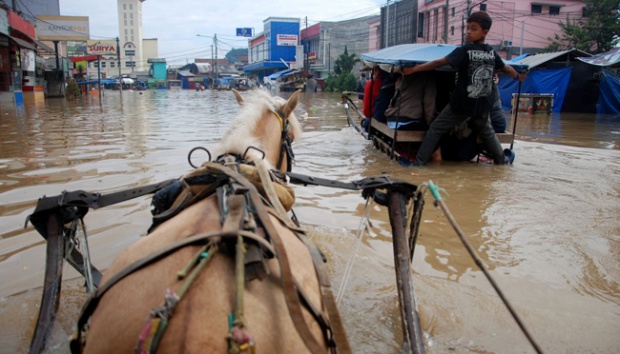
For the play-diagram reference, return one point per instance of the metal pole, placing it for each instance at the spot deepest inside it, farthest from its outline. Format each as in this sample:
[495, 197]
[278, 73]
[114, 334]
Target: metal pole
[120, 73]
[215, 45]
[99, 76]
[387, 23]
[445, 25]
[522, 31]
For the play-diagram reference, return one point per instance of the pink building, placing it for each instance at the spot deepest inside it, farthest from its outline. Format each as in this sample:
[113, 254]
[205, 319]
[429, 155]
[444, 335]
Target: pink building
[519, 26]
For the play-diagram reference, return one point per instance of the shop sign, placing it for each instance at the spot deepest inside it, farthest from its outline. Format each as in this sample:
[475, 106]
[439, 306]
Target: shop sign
[101, 47]
[287, 40]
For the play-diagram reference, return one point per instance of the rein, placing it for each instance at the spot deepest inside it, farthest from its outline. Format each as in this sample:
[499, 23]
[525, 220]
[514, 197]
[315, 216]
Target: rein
[246, 202]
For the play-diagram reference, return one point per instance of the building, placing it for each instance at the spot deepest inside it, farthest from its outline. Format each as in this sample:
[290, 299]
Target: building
[275, 48]
[518, 26]
[132, 46]
[324, 42]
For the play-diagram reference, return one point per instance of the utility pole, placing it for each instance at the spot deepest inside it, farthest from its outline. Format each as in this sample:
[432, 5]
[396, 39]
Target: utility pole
[465, 15]
[387, 23]
[215, 45]
[522, 32]
[306, 47]
[120, 76]
[445, 25]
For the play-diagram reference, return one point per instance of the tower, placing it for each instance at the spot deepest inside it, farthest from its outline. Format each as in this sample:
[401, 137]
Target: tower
[130, 36]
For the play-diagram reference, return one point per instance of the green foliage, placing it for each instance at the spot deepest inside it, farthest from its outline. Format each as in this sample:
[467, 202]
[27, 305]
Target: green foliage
[345, 62]
[233, 54]
[596, 33]
[339, 83]
[73, 89]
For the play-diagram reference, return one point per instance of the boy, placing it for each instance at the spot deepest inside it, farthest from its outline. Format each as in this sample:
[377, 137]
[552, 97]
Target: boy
[476, 64]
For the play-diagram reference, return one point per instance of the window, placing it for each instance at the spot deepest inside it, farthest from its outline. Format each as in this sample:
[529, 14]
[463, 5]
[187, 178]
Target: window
[125, 16]
[453, 12]
[103, 64]
[129, 53]
[130, 16]
[131, 22]
[421, 24]
[111, 64]
[452, 30]
[126, 31]
[132, 31]
[483, 7]
[536, 9]
[132, 39]
[125, 22]
[130, 7]
[126, 39]
[554, 10]
[96, 64]
[124, 7]
[584, 12]
[130, 64]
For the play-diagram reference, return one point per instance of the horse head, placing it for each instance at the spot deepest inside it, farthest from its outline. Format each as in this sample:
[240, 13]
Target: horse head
[264, 128]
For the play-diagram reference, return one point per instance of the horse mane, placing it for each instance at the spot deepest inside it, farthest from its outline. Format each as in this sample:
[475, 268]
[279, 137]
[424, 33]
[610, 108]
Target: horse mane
[240, 133]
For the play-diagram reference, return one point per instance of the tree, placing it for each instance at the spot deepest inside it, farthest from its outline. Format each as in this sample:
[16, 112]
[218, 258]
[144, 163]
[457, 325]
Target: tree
[597, 32]
[345, 62]
[234, 53]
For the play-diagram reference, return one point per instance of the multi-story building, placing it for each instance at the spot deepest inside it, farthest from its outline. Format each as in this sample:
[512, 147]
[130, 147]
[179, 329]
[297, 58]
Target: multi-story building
[132, 46]
[275, 48]
[519, 26]
[324, 42]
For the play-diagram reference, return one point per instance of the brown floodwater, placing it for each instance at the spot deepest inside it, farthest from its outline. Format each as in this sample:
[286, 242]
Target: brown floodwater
[546, 228]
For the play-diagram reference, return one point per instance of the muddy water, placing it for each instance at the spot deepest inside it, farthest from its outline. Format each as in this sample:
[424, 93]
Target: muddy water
[546, 228]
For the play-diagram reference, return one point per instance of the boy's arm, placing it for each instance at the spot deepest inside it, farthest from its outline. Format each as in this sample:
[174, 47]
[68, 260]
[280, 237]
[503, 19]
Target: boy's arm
[431, 65]
[510, 71]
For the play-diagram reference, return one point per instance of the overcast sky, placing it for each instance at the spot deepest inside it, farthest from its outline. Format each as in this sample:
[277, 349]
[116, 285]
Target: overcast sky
[176, 23]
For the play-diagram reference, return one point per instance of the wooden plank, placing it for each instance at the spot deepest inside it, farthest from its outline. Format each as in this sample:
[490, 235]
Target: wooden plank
[418, 136]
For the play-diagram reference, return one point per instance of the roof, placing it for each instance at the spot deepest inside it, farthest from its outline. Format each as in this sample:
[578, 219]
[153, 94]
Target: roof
[534, 60]
[413, 54]
[604, 59]
[185, 73]
[265, 65]
[280, 73]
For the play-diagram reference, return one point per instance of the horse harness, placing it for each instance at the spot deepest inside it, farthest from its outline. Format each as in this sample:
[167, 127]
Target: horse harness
[247, 228]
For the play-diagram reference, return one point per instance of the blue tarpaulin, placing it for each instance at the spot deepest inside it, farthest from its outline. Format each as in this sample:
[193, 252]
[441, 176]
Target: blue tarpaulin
[553, 81]
[609, 94]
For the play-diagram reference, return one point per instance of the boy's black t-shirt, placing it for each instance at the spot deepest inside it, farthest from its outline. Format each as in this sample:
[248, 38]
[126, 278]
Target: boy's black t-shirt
[476, 64]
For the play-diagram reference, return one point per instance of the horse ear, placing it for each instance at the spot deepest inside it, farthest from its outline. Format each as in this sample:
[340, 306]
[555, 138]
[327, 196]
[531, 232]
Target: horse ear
[292, 102]
[240, 98]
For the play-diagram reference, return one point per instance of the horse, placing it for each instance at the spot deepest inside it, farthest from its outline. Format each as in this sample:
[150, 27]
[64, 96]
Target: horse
[185, 288]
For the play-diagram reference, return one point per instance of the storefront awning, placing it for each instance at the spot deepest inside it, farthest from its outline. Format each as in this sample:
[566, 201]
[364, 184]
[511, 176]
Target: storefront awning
[265, 65]
[22, 43]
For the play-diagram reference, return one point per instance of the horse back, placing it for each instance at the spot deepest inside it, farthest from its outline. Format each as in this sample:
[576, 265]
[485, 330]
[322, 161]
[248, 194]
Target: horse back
[200, 321]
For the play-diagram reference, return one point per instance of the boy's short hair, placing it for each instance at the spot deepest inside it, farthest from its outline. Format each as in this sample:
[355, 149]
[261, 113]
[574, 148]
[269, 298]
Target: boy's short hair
[481, 18]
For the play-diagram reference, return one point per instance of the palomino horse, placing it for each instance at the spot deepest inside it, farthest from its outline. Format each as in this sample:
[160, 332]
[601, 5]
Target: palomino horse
[144, 305]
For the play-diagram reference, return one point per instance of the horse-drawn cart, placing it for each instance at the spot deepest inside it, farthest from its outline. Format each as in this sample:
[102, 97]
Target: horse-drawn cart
[223, 224]
[392, 136]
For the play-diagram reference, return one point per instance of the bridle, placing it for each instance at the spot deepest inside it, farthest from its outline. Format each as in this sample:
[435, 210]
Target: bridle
[285, 141]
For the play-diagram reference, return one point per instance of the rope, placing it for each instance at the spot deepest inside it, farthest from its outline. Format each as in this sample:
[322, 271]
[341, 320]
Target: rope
[440, 203]
[358, 241]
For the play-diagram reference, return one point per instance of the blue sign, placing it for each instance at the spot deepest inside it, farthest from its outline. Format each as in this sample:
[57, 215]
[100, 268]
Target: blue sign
[244, 32]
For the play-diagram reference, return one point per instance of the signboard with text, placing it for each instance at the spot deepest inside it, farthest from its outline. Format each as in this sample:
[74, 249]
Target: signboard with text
[101, 47]
[62, 28]
[286, 40]
[244, 32]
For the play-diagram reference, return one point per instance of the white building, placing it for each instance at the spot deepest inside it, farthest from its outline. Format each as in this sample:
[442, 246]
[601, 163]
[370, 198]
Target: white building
[130, 36]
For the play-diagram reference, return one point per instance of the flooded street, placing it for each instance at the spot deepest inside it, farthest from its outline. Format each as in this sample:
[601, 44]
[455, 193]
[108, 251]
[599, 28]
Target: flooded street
[547, 228]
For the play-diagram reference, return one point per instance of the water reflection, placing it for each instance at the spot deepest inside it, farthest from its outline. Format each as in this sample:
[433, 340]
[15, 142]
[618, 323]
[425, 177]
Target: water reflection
[546, 227]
